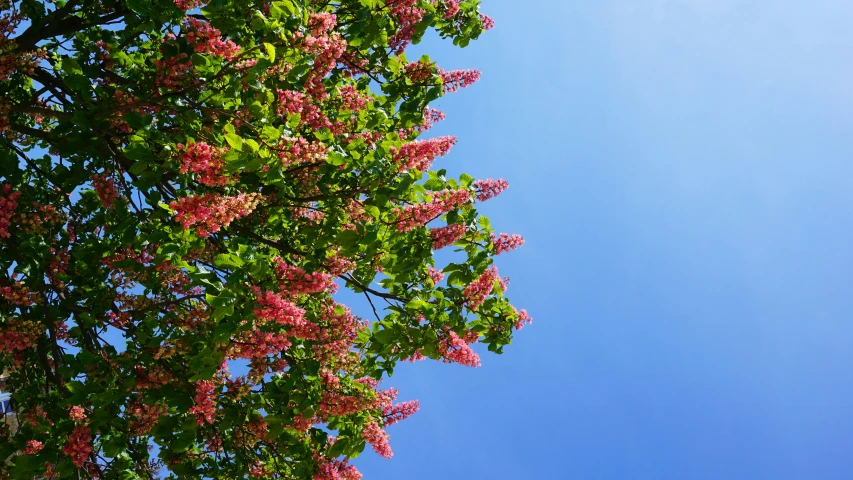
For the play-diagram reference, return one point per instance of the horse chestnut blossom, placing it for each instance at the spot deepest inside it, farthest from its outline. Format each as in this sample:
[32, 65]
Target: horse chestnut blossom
[506, 242]
[419, 155]
[476, 292]
[106, 189]
[33, 447]
[412, 216]
[184, 200]
[378, 439]
[444, 236]
[489, 188]
[8, 204]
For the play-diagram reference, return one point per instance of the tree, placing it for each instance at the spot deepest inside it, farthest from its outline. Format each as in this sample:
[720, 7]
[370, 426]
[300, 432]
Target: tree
[185, 187]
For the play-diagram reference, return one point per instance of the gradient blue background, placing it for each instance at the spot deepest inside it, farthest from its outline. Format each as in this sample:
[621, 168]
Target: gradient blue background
[682, 173]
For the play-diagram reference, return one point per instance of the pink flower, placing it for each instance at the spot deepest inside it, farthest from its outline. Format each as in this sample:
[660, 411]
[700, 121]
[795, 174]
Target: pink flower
[455, 349]
[400, 411]
[8, 204]
[444, 236]
[488, 22]
[456, 79]
[204, 160]
[33, 447]
[79, 445]
[211, 212]
[419, 155]
[506, 242]
[205, 402]
[489, 188]
[206, 39]
[77, 413]
[435, 275]
[477, 291]
[378, 439]
[412, 216]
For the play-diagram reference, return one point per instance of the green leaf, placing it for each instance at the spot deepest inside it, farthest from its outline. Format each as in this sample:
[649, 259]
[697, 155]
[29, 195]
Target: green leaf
[235, 141]
[270, 51]
[347, 238]
[228, 260]
[143, 8]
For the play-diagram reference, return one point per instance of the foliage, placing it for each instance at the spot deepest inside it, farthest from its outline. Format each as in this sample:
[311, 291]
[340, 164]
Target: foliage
[186, 186]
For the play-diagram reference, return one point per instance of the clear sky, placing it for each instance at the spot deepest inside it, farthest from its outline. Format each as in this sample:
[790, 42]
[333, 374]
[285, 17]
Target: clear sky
[681, 170]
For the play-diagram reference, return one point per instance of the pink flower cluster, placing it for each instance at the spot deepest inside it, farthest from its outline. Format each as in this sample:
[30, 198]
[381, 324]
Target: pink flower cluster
[435, 275]
[400, 411]
[257, 344]
[378, 439]
[326, 47]
[506, 242]
[431, 117]
[413, 216]
[352, 99]
[259, 470]
[299, 150]
[330, 469]
[206, 39]
[488, 22]
[105, 187]
[273, 308]
[456, 79]
[210, 212]
[418, 71]
[189, 4]
[489, 188]
[477, 291]
[77, 413]
[454, 348]
[173, 72]
[33, 447]
[8, 204]
[419, 155]
[407, 15]
[523, 319]
[205, 402]
[291, 102]
[205, 161]
[19, 335]
[444, 236]
[295, 280]
[451, 8]
[79, 445]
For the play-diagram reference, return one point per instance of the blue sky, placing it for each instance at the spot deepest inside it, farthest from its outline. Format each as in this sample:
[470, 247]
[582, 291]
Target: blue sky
[681, 171]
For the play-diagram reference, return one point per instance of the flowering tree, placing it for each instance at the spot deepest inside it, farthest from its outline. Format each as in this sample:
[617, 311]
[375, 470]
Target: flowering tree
[185, 186]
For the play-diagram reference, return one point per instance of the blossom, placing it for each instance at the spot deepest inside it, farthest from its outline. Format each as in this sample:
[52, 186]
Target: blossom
[211, 212]
[8, 204]
[33, 447]
[488, 22]
[204, 38]
[435, 275]
[444, 236]
[400, 411]
[79, 445]
[412, 216]
[77, 413]
[378, 439]
[419, 155]
[477, 291]
[506, 242]
[456, 79]
[295, 280]
[205, 402]
[523, 318]
[105, 188]
[489, 188]
[453, 348]
[204, 160]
